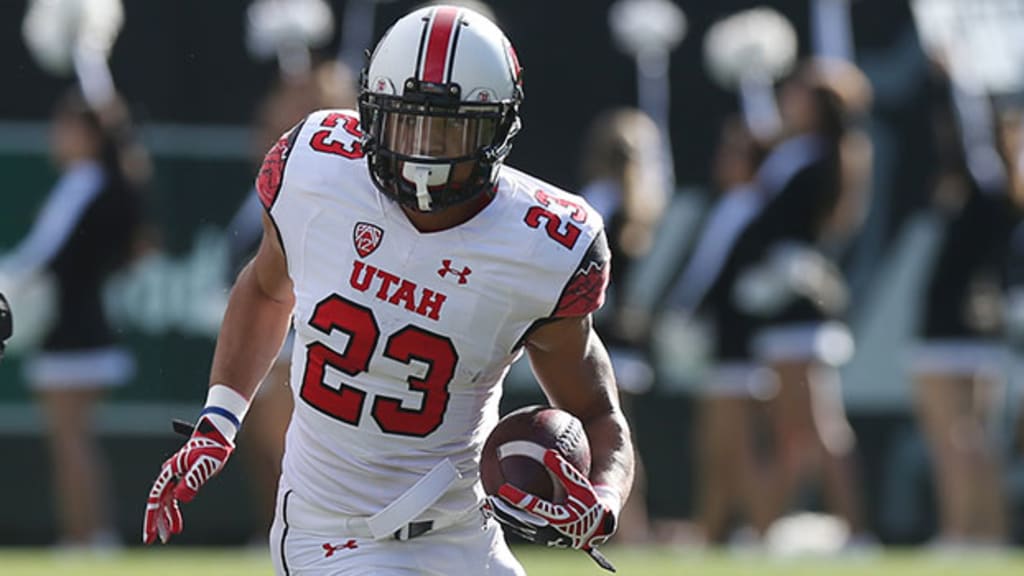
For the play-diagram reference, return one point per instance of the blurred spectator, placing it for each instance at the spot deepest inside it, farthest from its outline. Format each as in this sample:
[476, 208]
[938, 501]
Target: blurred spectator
[814, 181]
[959, 362]
[1014, 313]
[726, 424]
[328, 85]
[87, 229]
[1010, 126]
[625, 177]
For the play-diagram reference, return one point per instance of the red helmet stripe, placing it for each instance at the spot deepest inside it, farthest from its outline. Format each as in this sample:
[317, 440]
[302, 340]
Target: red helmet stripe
[516, 70]
[438, 44]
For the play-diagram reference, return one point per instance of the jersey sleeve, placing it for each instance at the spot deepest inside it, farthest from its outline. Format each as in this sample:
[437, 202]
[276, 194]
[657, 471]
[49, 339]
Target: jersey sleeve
[585, 291]
[271, 174]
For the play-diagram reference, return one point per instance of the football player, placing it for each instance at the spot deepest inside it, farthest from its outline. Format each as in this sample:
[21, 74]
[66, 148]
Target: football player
[415, 269]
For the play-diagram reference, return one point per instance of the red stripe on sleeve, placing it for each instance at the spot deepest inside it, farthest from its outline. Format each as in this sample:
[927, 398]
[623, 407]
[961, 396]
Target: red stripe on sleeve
[437, 44]
[585, 291]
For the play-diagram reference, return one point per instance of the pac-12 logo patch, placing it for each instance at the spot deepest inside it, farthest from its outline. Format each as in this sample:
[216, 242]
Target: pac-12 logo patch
[366, 238]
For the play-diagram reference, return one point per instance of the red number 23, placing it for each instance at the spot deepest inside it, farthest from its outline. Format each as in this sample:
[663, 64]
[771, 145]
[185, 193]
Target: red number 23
[553, 222]
[322, 142]
[407, 344]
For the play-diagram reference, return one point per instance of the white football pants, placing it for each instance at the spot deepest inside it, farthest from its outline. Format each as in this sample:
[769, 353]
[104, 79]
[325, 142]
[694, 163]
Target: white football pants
[301, 546]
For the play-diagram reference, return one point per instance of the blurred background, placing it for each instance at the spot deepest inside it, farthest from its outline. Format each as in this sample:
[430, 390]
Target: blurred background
[939, 127]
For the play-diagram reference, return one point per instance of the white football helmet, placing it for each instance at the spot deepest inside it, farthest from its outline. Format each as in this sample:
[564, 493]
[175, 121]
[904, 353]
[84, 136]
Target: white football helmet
[439, 104]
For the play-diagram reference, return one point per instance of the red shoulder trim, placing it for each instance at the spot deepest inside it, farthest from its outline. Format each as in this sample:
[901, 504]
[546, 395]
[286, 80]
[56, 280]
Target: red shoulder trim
[585, 291]
[268, 182]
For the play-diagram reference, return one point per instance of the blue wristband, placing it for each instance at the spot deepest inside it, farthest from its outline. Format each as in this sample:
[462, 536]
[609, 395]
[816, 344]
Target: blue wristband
[222, 412]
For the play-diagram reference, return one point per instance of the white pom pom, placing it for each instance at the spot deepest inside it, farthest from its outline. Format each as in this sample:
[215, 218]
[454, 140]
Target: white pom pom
[758, 43]
[49, 30]
[979, 41]
[641, 26]
[275, 26]
[33, 300]
[55, 30]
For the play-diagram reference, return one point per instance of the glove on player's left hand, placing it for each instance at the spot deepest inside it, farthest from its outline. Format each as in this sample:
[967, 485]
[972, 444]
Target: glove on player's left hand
[583, 521]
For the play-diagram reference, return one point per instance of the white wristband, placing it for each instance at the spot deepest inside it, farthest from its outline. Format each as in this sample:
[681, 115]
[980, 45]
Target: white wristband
[225, 408]
[609, 497]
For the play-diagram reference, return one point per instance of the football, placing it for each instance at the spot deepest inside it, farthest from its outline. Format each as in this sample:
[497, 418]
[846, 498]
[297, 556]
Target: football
[514, 451]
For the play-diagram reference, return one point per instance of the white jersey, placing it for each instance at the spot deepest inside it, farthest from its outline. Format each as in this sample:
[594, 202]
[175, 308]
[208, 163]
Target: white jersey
[403, 338]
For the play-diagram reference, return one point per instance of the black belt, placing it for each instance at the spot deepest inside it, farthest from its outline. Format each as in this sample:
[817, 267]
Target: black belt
[413, 530]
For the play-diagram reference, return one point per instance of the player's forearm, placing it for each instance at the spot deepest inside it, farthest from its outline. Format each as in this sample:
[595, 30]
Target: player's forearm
[251, 334]
[611, 449]
[611, 444]
[586, 388]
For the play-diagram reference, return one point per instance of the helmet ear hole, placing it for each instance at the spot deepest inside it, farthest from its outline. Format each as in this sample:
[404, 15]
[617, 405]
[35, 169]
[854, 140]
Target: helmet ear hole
[433, 119]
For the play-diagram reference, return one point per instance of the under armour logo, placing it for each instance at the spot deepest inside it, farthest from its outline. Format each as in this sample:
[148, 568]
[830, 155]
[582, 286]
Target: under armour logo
[447, 267]
[330, 549]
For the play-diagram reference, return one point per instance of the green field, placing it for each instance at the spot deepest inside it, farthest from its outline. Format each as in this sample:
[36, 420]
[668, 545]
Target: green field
[538, 562]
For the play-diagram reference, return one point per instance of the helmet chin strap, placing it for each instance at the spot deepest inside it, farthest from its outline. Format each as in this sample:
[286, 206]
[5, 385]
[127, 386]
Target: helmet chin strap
[425, 175]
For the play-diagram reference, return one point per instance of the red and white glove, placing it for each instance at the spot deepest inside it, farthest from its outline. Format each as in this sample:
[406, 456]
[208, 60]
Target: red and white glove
[201, 458]
[585, 520]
